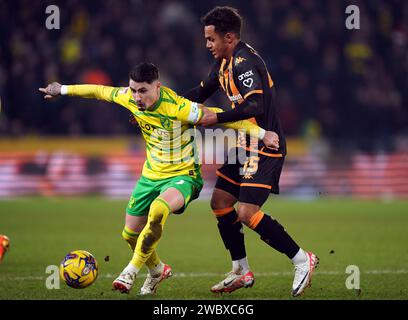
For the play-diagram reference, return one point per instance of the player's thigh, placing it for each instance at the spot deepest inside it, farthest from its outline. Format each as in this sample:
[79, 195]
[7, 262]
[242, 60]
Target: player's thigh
[174, 198]
[221, 199]
[135, 223]
[227, 186]
[256, 185]
[179, 191]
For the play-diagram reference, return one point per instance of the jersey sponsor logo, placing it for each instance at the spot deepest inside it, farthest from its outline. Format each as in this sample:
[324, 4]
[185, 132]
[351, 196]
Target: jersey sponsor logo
[245, 75]
[151, 128]
[238, 60]
[248, 82]
[180, 182]
[235, 98]
[145, 126]
[194, 113]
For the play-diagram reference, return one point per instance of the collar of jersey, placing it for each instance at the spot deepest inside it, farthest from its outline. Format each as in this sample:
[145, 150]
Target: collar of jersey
[239, 45]
[158, 102]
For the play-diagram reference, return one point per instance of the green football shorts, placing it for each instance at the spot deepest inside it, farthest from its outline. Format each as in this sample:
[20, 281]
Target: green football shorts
[146, 190]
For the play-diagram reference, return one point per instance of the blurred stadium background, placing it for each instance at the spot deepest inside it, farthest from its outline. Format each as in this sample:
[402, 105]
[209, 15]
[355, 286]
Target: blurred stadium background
[342, 93]
[343, 101]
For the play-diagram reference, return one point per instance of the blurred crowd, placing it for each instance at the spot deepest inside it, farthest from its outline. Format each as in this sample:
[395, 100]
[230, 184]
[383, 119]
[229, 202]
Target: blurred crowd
[348, 86]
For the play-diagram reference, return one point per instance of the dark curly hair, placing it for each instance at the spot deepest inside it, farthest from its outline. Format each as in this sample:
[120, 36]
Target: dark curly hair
[144, 72]
[224, 19]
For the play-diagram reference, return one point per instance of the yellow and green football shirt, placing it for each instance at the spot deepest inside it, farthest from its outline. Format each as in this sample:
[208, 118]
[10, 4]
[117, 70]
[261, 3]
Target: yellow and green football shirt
[170, 146]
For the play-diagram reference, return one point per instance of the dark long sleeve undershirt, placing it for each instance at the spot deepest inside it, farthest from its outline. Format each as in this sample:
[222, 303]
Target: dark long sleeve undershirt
[199, 94]
[251, 107]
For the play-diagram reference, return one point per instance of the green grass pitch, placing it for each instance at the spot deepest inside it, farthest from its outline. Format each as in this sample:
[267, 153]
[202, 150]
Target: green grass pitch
[369, 234]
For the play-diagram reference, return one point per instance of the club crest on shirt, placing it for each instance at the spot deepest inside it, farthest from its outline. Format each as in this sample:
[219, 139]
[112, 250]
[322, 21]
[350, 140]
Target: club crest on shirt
[238, 60]
[165, 122]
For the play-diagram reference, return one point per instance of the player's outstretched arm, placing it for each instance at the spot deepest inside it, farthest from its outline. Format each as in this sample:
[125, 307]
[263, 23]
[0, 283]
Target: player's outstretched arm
[82, 90]
[270, 138]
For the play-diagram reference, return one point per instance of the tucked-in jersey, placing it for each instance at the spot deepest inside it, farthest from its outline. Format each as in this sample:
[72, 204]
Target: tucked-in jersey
[244, 75]
[167, 128]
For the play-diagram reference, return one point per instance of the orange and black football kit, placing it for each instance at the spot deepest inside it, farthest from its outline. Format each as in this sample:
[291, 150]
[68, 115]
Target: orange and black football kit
[250, 88]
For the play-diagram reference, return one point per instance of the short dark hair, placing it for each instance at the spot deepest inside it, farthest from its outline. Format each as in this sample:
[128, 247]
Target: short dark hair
[224, 19]
[144, 72]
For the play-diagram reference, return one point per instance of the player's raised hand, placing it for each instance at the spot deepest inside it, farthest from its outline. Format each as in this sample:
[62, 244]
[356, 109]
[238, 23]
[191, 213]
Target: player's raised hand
[271, 140]
[52, 90]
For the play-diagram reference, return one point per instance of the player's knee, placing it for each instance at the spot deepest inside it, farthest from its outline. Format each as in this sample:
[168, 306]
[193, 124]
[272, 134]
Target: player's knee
[244, 217]
[159, 209]
[130, 237]
[214, 203]
[219, 202]
[246, 212]
[135, 223]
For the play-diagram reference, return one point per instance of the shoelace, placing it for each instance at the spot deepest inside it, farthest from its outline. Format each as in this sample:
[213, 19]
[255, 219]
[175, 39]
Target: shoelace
[230, 275]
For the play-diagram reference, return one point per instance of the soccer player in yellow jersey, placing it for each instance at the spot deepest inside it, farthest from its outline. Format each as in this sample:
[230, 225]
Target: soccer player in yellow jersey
[171, 176]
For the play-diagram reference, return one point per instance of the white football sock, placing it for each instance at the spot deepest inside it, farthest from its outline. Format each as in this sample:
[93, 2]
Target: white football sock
[300, 257]
[157, 269]
[131, 269]
[241, 264]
